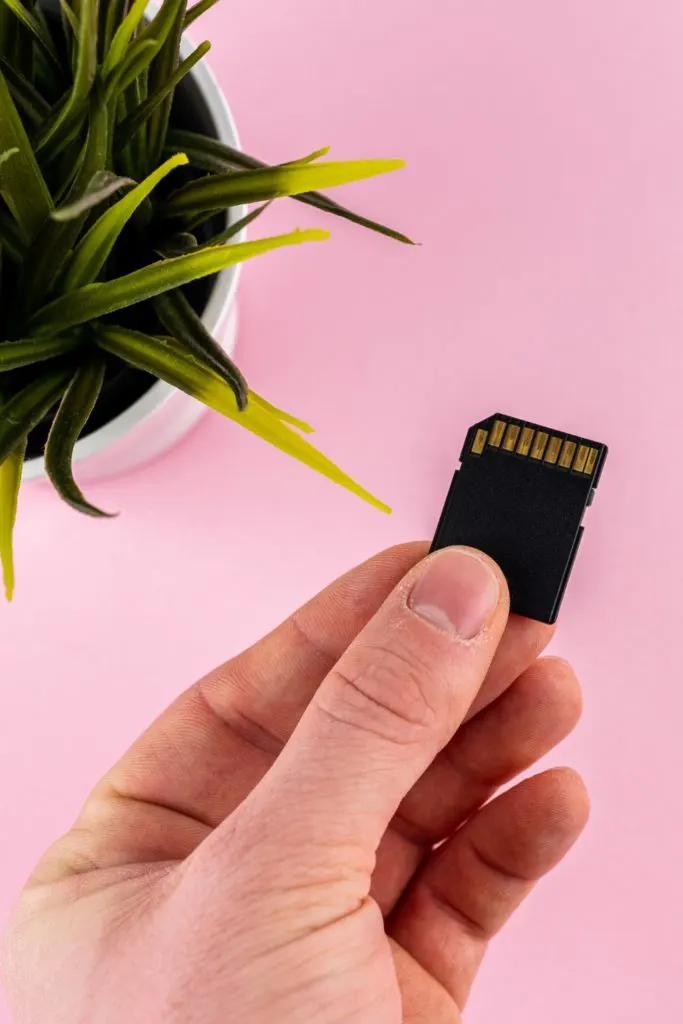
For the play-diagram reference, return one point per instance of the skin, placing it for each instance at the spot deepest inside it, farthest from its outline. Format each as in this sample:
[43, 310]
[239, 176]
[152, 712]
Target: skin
[265, 851]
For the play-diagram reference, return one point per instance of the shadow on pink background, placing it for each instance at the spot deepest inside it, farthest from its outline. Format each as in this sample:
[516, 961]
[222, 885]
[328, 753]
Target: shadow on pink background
[545, 181]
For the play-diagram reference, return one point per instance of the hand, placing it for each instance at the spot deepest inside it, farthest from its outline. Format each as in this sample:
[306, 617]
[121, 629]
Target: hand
[265, 852]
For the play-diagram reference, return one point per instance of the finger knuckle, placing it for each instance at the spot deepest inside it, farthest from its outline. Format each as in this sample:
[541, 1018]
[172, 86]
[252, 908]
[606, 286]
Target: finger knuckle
[388, 692]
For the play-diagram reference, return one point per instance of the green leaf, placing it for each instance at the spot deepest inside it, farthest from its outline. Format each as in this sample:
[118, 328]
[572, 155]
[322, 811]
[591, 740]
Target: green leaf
[10, 236]
[102, 185]
[34, 27]
[163, 23]
[124, 33]
[141, 55]
[186, 374]
[179, 318]
[197, 10]
[25, 95]
[177, 244]
[93, 250]
[96, 300]
[222, 190]
[70, 18]
[137, 118]
[55, 241]
[310, 159]
[8, 29]
[14, 354]
[78, 402]
[112, 13]
[28, 407]
[161, 72]
[21, 183]
[72, 114]
[234, 229]
[210, 155]
[10, 481]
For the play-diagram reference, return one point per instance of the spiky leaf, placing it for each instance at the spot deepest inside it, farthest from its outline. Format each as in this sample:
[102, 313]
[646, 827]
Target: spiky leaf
[136, 63]
[78, 402]
[10, 482]
[181, 321]
[92, 252]
[186, 374]
[117, 51]
[234, 229]
[224, 190]
[137, 118]
[27, 98]
[26, 409]
[15, 354]
[30, 22]
[72, 114]
[96, 300]
[21, 183]
[197, 10]
[56, 239]
[211, 155]
[160, 73]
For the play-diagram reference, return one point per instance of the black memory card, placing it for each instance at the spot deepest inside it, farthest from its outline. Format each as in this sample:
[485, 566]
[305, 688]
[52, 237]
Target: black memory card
[520, 496]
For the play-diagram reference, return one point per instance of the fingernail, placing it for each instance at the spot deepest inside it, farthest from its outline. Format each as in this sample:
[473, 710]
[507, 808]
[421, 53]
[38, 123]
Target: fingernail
[458, 592]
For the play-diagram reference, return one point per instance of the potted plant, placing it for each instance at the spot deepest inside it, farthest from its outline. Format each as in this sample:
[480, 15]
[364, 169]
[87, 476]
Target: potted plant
[123, 206]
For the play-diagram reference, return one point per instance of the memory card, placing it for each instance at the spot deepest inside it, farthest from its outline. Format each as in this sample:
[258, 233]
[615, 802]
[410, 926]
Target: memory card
[520, 495]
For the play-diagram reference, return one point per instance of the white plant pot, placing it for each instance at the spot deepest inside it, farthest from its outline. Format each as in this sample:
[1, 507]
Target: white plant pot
[163, 415]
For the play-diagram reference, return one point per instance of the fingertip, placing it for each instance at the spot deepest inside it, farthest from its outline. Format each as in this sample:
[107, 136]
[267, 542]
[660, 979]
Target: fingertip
[554, 683]
[566, 799]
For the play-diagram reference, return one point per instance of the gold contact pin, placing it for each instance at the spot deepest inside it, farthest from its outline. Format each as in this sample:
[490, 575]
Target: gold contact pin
[479, 443]
[553, 452]
[524, 446]
[581, 458]
[511, 435]
[591, 461]
[567, 456]
[497, 433]
[539, 446]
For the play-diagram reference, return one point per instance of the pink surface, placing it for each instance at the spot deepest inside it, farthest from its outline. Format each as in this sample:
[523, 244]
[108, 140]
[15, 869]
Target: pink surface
[545, 182]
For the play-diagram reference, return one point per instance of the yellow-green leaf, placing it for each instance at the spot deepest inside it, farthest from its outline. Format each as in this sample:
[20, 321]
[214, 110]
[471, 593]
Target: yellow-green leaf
[21, 183]
[124, 33]
[25, 352]
[286, 417]
[10, 482]
[253, 186]
[78, 402]
[72, 114]
[26, 408]
[142, 113]
[196, 11]
[92, 251]
[96, 300]
[34, 27]
[167, 362]
[210, 155]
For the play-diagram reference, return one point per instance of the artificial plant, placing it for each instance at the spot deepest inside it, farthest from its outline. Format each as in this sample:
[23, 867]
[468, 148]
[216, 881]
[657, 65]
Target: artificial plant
[109, 209]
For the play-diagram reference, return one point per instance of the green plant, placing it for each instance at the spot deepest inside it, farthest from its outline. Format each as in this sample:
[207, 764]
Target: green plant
[108, 211]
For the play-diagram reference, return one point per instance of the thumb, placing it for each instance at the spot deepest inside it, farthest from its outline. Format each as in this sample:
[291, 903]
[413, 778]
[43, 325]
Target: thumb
[393, 700]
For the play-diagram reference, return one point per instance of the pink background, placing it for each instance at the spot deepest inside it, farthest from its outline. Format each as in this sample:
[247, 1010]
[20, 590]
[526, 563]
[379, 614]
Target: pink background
[545, 181]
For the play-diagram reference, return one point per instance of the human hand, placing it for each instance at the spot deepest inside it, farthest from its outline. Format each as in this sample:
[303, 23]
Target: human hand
[266, 851]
